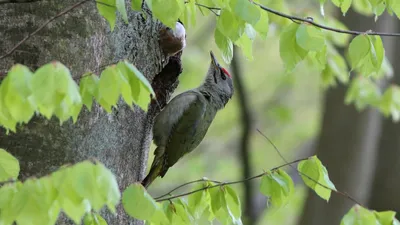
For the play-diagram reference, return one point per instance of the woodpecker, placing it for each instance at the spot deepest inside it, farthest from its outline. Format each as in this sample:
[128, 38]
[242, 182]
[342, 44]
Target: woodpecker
[173, 41]
[180, 127]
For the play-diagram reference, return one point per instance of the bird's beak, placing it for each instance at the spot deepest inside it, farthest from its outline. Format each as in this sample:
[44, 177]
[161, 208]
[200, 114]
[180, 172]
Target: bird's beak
[213, 59]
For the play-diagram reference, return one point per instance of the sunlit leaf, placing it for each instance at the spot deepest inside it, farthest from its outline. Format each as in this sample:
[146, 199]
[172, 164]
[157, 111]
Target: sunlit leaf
[359, 215]
[9, 166]
[315, 176]
[108, 9]
[230, 25]
[138, 203]
[291, 53]
[225, 45]
[245, 10]
[278, 186]
[88, 88]
[167, 11]
[310, 38]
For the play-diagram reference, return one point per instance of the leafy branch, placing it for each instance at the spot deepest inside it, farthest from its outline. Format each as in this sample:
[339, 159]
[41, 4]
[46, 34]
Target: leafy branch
[220, 184]
[310, 20]
[303, 174]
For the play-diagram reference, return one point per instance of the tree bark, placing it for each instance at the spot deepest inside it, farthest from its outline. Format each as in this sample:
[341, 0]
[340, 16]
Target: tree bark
[346, 146]
[82, 41]
[386, 181]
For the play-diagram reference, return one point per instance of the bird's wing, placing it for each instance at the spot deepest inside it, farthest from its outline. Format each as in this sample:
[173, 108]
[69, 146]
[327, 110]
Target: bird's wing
[187, 113]
[167, 119]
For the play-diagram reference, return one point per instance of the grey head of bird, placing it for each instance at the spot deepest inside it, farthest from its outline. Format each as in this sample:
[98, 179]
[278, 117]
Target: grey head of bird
[218, 83]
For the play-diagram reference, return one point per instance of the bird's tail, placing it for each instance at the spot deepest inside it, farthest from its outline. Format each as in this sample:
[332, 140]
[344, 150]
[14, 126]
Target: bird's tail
[156, 167]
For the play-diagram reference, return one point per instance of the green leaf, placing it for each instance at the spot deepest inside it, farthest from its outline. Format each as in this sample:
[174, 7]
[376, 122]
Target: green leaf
[245, 10]
[321, 6]
[9, 166]
[136, 5]
[94, 219]
[140, 87]
[225, 45]
[278, 186]
[377, 52]
[35, 202]
[55, 92]
[336, 68]
[393, 6]
[215, 195]
[246, 44]
[199, 201]
[108, 11]
[363, 92]
[291, 53]
[84, 187]
[167, 11]
[183, 212]
[386, 217]
[188, 16]
[359, 215]
[343, 4]
[233, 202]
[230, 25]
[314, 174]
[17, 93]
[390, 102]
[109, 88]
[138, 203]
[107, 185]
[310, 38]
[359, 49]
[120, 4]
[262, 26]
[88, 88]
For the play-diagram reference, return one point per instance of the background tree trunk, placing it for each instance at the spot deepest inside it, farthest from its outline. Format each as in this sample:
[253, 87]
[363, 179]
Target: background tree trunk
[346, 146]
[82, 41]
[386, 181]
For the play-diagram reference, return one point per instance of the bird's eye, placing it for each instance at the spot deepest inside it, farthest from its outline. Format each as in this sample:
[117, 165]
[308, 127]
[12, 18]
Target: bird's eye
[223, 75]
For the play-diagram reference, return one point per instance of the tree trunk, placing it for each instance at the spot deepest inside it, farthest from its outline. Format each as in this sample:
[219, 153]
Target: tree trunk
[82, 41]
[386, 181]
[346, 146]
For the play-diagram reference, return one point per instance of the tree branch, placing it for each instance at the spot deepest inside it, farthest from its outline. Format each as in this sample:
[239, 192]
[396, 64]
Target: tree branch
[228, 183]
[310, 21]
[324, 186]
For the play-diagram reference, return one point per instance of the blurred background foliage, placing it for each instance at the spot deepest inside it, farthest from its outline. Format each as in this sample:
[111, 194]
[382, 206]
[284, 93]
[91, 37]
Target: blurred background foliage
[284, 106]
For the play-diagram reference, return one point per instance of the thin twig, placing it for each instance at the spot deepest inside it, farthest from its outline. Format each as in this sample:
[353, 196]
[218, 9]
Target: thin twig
[310, 21]
[322, 185]
[229, 183]
[186, 184]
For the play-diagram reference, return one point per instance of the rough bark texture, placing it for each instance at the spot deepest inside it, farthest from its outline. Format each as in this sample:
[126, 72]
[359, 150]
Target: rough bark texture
[386, 181]
[83, 42]
[346, 146]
